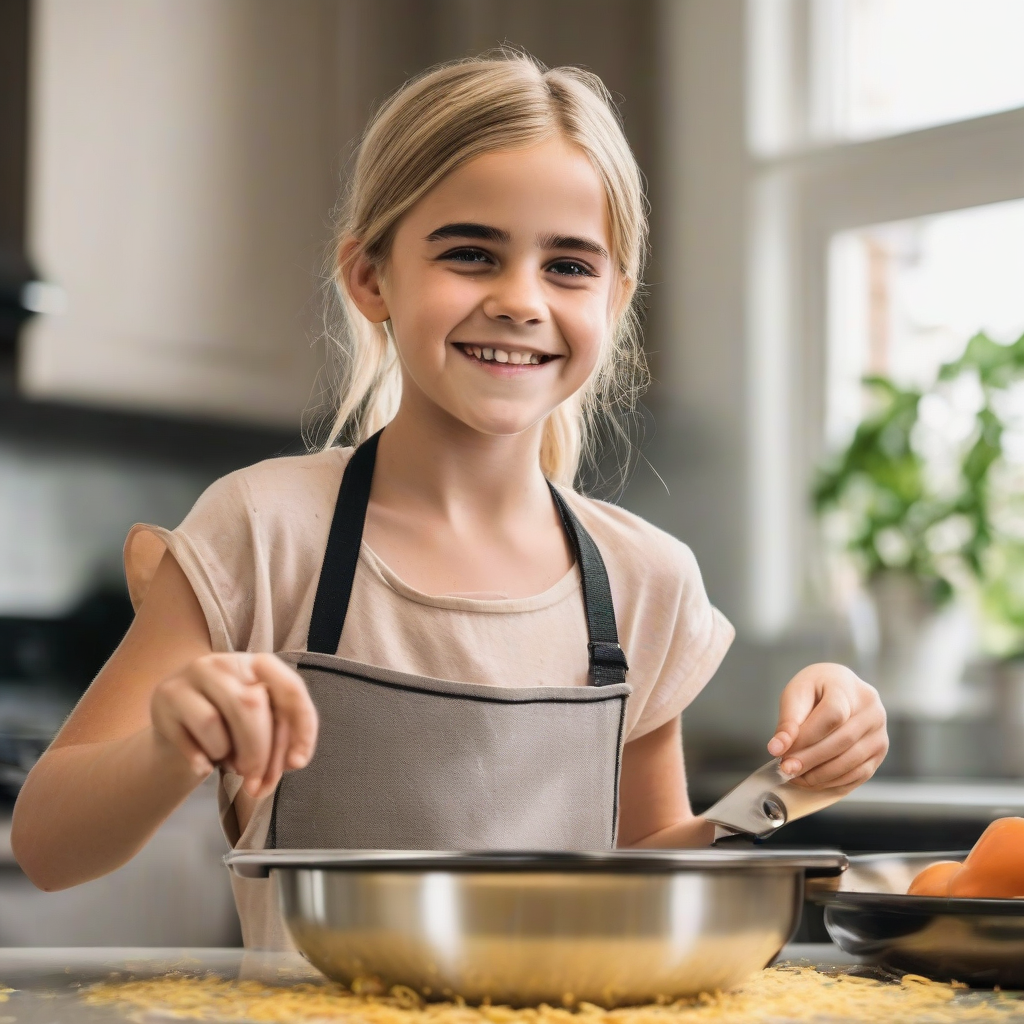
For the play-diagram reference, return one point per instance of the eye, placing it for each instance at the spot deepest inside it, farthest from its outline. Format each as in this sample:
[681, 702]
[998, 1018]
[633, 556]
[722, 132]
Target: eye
[464, 255]
[571, 268]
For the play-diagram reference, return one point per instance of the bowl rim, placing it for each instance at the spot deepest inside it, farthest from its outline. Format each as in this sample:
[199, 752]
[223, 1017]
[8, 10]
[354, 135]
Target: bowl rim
[902, 903]
[259, 863]
[930, 906]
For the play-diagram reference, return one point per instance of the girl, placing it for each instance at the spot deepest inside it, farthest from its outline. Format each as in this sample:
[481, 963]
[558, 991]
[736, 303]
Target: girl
[488, 260]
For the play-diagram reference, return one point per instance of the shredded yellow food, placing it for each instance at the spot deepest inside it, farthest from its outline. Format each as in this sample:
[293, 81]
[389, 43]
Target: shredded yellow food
[778, 994]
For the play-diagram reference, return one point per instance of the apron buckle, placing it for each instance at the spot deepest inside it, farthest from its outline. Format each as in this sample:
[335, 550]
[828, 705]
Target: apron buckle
[607, 663]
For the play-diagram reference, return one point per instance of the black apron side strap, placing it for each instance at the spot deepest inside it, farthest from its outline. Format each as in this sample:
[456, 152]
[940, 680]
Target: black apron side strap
[607, 660]
[342, 554]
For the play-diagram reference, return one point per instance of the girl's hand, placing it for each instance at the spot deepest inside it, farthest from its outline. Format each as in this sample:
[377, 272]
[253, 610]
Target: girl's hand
[831, 730]
[250, 713]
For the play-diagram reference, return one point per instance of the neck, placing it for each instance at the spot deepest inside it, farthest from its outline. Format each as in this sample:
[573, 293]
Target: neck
[438, 461]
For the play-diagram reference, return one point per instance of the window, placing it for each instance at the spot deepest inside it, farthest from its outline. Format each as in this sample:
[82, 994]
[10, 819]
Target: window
[886, 143]
[898, 65]
[850, 70]
[905, 296]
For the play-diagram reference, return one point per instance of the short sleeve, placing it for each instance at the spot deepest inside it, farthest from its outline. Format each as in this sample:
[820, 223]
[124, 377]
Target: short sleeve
[673, 637]
[697, 639]
[216, 547]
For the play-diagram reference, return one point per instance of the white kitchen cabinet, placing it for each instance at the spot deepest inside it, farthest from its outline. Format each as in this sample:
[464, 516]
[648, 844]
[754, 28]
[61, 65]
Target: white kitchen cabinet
[182, 172]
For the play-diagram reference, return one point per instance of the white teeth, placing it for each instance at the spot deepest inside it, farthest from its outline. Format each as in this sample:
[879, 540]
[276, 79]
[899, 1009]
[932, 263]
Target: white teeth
[500, 355]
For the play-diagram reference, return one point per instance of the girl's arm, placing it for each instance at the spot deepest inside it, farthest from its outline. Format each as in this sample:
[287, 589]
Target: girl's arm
[654, 808]
[161, 712]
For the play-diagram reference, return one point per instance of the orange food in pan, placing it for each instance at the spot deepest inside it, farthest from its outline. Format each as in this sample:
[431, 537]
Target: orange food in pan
[994, 869]
[935, 879]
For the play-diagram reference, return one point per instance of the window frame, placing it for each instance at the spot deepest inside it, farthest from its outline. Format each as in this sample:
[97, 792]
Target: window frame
[801, 193]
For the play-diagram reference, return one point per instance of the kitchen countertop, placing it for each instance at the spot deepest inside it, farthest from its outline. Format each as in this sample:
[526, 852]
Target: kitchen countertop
[47, 982]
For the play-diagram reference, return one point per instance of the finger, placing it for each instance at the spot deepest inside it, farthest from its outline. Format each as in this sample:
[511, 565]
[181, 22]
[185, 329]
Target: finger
[795, 704]
[173, 732]
[275, 769]
[851, 780]
[831, 712]
[290, 699]
[237, 664]
[869, 750]
[857, 777]
[836, 742]
[185, 708]
[839, 790]
[245, 708]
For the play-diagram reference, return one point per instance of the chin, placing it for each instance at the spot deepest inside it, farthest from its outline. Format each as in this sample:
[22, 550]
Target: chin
[498, 429]
[500, 423]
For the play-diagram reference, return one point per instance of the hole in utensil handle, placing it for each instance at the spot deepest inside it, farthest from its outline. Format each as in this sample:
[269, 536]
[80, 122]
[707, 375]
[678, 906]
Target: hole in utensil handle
[774, 810]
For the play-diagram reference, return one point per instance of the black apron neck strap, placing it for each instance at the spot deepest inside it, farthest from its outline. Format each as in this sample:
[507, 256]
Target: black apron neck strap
[342, 553]
[607, 661]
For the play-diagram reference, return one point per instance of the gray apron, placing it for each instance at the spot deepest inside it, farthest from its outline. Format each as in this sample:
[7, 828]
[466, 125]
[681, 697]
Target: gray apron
[409, 762]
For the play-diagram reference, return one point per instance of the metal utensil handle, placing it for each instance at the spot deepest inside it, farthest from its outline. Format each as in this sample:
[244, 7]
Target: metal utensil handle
[765, 801]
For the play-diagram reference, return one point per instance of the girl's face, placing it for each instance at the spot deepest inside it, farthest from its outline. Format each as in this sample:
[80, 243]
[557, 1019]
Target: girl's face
[500, 287]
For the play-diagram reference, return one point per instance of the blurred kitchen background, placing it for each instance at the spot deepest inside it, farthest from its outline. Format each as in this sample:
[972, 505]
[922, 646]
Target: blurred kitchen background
[837, 190]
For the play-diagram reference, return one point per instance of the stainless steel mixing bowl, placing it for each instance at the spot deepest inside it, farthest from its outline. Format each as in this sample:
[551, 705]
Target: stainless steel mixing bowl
[525, 928]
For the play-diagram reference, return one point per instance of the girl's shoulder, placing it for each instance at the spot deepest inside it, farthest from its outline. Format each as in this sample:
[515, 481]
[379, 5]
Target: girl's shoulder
[260, 528]
[674, 638]
[278, 488]
[309, 471]
[638, 554]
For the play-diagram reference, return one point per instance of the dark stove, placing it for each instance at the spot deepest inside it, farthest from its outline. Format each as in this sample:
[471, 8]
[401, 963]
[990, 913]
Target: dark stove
[46, 664]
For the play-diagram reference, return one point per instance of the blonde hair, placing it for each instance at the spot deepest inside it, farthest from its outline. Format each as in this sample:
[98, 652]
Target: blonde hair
[432, 125]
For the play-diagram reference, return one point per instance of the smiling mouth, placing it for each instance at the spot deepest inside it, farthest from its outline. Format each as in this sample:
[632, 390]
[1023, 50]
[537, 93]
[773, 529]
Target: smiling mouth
[488, 354]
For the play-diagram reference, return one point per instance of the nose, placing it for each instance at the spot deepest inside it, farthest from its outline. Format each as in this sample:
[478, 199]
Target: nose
[516, 297]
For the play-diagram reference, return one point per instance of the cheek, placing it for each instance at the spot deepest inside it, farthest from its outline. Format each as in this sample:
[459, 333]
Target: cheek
[441, 302]
[425, 308]
[585, 328]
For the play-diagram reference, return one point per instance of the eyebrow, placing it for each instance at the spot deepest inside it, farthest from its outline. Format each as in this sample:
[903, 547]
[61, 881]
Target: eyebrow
[573, 242]
[487, 233]
[481, 231]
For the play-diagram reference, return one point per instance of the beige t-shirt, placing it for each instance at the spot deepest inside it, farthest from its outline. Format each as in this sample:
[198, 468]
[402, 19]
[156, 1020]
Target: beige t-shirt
[252, 547]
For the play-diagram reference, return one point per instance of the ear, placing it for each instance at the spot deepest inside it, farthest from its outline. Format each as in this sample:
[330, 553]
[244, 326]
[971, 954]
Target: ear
[361, 278]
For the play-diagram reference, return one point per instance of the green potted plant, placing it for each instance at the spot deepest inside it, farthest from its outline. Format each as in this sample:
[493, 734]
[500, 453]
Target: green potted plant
[992, 501]
[877, 489]
[880, 505]
[930, 547]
